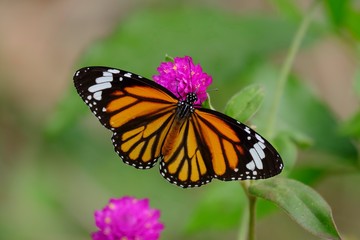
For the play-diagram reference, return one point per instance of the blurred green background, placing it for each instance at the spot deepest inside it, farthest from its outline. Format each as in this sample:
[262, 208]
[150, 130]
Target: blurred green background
[57, 163]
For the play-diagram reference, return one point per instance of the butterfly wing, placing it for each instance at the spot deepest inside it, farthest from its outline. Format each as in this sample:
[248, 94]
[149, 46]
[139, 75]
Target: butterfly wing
[213, 145]
[138, 111]
[237, 151]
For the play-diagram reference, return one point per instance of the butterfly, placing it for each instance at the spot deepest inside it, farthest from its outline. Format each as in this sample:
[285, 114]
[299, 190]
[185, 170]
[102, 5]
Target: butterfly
[193, 144]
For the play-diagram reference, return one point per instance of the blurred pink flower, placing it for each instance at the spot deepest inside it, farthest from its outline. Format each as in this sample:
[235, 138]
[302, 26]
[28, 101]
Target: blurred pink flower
[127, 218]
[182, 77]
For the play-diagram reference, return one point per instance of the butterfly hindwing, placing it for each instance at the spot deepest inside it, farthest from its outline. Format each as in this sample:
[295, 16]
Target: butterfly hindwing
[187, 165]
[135, 109]
[139, 142]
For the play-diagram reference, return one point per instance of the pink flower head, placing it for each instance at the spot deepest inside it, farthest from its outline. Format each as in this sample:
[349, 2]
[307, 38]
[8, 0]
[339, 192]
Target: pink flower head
[182, 77]
[127, 218]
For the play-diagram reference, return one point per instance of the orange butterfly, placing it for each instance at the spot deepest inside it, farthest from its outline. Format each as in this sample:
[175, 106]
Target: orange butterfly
[193, 144]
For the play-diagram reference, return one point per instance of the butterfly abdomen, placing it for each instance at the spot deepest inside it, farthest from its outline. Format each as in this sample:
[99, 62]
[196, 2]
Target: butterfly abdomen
[171, 138]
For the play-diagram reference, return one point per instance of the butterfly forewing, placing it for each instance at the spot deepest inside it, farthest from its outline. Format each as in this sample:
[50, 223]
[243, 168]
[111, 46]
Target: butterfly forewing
[120, 100]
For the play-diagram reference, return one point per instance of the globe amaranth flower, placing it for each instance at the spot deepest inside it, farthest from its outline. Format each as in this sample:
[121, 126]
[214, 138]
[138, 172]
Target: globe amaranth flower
[182, 77]
[127, 218]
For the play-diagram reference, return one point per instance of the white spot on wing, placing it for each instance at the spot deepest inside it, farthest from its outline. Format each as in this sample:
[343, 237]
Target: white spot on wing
[104, 79]
[107, 74]
[114, 71]
[127, 75]
[251, 166]
[99, 87]
[259, 138]
[262, 145]
[256, 158]
[97, 95]
[259, 150]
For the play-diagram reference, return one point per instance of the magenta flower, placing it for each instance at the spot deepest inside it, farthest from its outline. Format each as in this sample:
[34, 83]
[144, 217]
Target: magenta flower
[182, 77]
[127, 218]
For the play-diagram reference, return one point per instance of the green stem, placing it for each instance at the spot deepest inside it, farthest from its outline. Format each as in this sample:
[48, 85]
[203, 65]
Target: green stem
[285, 70]
[247, 228]
[252, 216]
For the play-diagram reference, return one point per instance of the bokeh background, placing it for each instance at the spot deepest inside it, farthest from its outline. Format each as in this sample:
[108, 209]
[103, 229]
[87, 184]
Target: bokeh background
[57, 163]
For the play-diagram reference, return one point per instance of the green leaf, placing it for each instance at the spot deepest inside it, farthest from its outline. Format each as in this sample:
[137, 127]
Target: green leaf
[337, 10]
[352, 126]
[301, 139]
[287, 143]
[243, 105]
[288, 151]
[352, 22]
[169, 58]
[301, 203]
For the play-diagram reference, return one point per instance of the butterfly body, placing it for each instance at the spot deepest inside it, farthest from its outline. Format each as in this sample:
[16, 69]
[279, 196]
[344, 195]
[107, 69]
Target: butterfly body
[171, 137]
[193, 144]
[184, 111]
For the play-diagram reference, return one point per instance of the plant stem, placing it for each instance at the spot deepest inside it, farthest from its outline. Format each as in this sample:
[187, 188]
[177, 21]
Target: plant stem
[247, 228]
[286, 67]
[252, 216]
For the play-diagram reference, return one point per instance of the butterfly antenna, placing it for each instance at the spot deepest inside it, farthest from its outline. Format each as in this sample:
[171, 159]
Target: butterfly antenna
[214, 89]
